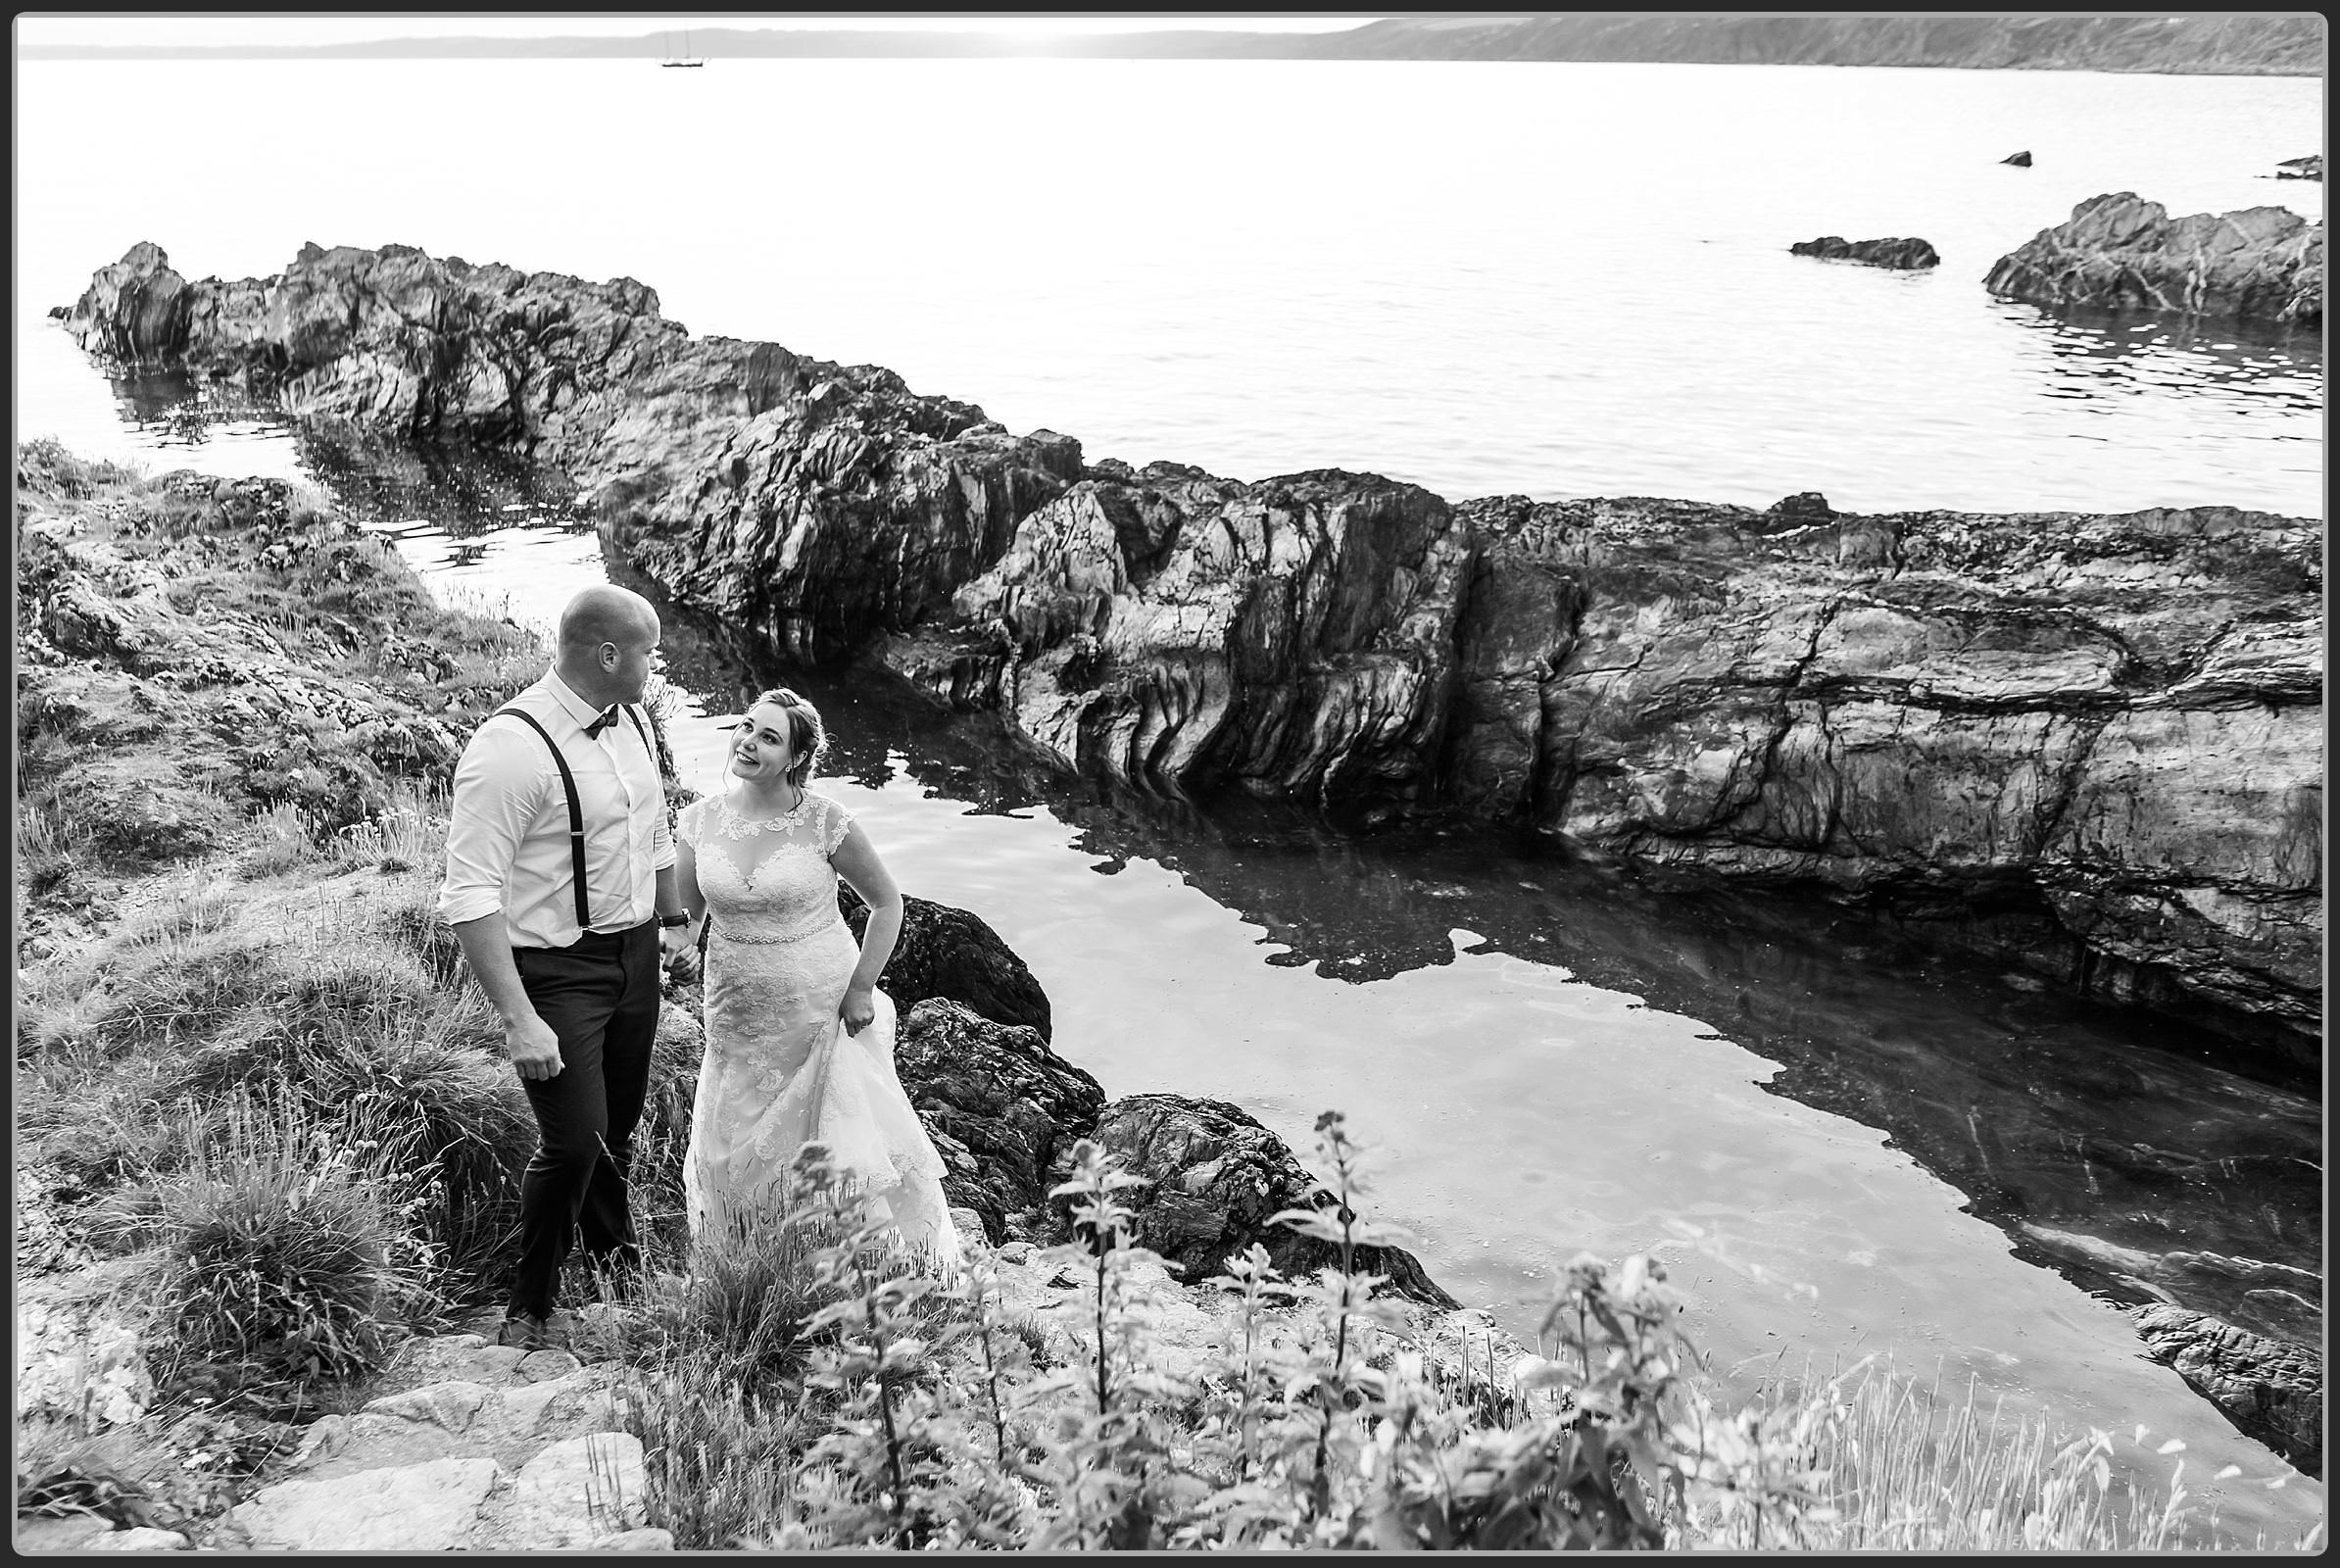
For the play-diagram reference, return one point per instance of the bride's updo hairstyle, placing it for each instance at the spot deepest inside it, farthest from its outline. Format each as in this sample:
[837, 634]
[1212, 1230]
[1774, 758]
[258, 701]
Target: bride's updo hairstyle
[808, 737]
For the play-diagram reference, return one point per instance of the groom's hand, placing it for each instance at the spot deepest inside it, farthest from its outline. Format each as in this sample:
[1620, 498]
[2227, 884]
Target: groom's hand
[533, 1047]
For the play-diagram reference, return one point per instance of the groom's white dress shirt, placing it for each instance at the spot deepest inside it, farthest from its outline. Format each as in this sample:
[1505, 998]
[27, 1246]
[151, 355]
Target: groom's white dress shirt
[508, 835]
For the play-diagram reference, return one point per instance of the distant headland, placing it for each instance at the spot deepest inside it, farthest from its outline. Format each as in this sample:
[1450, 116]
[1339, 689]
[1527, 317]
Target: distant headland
[2293, 45]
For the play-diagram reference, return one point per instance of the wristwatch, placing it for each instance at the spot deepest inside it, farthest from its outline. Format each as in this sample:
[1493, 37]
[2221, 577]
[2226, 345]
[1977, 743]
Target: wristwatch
[671, 920]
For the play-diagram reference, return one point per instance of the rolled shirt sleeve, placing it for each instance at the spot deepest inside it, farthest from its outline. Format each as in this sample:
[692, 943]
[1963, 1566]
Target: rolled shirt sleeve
[499, 789]
[661, 842]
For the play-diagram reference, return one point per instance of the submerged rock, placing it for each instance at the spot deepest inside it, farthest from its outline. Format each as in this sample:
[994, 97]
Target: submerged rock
[2120, 251]
[2271, 1391]
[1905, 254]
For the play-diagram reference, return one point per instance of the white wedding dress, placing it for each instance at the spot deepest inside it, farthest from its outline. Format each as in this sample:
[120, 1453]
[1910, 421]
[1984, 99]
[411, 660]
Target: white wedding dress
[781, 1072]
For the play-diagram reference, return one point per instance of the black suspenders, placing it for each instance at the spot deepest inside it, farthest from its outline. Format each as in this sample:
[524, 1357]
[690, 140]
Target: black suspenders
[576, 814]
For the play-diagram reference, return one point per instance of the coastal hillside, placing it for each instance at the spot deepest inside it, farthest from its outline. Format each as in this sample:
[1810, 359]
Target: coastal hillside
[2225, 45]
[269, 1149]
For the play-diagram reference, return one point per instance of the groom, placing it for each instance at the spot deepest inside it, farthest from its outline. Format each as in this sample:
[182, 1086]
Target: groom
[560, 878]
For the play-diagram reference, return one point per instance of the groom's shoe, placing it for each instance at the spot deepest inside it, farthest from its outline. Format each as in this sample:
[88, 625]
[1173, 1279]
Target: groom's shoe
[525, 1330]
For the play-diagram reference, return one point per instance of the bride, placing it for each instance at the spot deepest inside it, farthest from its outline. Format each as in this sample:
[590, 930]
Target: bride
[800, 1041]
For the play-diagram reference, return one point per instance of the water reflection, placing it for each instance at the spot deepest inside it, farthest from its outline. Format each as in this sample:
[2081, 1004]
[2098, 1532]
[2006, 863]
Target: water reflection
[466, 491]
[2118, 1147]
[2100, 357]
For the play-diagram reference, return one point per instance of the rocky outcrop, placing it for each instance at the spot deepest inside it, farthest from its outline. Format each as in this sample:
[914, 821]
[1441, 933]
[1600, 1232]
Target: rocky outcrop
[2120, 251]
[1004, 1108]
[1293, 636]
[954, 955]
[1933, 712]
[2022, 160]
[2271, 1391]
[2084, 744]
[1908, 255]
[2308, 168]
[1215, 1181]
[814, 504]
[1005, 1111]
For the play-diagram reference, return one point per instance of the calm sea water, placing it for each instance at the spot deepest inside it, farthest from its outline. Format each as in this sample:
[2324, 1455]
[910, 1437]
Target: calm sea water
[1557, 280]
[1553, 279]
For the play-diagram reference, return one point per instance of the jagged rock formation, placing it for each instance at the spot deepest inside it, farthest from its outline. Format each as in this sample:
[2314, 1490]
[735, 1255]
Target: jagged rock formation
[1908, 255]
[1003, 1110]
[1293, 635]
[1939, 711]
[2088, 744]
[2308, 168]
[2120, 251]
[1930, 708]
[2022, 160]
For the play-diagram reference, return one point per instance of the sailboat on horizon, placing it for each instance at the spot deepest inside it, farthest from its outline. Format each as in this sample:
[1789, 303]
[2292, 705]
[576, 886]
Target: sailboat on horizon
[686, 62]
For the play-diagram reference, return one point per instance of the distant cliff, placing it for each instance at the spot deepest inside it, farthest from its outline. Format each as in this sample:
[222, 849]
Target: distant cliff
[2229, 45]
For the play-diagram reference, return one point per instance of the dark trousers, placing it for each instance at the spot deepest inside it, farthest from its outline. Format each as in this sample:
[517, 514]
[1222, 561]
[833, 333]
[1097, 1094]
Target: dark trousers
[600, 996]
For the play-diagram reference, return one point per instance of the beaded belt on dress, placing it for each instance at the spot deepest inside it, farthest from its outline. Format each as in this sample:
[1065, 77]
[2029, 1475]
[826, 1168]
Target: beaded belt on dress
[826, 923]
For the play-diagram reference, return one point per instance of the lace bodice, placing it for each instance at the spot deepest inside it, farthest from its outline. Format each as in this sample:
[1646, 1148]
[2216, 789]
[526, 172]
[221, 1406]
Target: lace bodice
[768, 879]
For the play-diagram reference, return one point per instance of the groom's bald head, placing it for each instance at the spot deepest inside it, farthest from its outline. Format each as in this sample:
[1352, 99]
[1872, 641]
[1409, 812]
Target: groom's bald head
[606, 613]
[606, 637]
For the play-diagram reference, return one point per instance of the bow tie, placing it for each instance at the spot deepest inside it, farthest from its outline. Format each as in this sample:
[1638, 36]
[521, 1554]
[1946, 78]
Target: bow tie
[593, 731]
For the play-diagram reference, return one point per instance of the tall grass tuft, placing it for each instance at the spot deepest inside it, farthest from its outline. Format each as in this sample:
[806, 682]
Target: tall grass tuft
[52, 841]
[1913, 1467]
[408, 834]
[743, 1312]
[722, 1456]
[283, 1260]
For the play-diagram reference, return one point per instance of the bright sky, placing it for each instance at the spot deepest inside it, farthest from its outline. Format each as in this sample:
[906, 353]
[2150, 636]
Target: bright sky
[179, 30]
